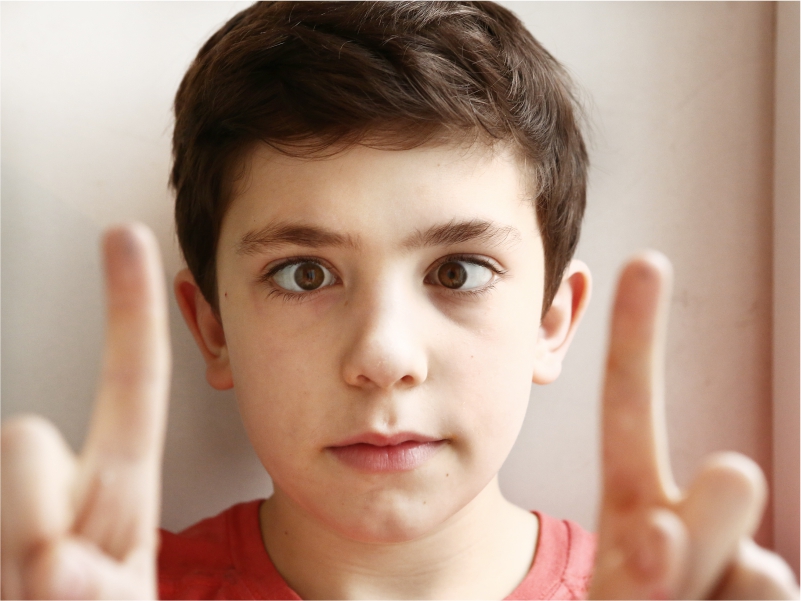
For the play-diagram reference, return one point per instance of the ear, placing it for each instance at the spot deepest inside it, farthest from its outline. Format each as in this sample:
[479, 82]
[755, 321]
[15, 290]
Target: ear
[206, 328]
[560, 322]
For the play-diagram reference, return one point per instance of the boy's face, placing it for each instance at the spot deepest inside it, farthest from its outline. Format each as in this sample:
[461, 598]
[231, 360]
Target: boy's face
[381, 297]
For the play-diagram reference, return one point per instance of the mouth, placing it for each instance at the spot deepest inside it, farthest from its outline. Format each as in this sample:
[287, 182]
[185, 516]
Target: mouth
[376, 453]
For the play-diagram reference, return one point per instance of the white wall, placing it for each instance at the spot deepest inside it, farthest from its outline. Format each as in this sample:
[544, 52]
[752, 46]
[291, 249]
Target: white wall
[681, 101]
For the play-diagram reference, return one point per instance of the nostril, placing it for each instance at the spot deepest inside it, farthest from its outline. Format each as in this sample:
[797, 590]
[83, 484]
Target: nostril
[407, 379]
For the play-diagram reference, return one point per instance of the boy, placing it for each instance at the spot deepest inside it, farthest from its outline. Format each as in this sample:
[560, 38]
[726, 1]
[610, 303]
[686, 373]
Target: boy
[378, 205]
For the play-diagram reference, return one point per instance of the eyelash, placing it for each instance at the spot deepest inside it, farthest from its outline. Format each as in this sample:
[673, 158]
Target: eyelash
[288, 296]
[494, 268]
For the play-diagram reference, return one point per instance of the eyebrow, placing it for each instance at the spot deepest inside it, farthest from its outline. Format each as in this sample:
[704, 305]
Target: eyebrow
[459, 232]
[281, 234]
[445, 234]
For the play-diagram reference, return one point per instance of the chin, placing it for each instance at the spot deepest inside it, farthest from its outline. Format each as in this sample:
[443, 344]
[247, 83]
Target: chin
[385, 526]
[389, 517]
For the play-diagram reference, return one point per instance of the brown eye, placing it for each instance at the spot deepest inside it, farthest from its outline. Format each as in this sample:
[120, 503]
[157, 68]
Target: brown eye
[303, 277]
[309, 276]
[452, 274]
[463, 275]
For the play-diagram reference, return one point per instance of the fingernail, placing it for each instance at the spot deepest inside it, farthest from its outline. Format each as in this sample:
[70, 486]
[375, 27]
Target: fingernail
[124, 263]
[122, 241]
[643, 271]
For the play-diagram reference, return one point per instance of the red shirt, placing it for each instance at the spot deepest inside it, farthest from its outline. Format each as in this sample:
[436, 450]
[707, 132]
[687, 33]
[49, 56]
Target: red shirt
[223, 557]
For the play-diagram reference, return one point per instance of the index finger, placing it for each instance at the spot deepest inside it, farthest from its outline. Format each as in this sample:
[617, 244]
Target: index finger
[635, 465]
[119, 483]
[129, 417]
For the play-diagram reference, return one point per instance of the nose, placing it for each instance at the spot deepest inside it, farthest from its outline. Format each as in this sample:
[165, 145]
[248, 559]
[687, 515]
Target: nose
[386, 349]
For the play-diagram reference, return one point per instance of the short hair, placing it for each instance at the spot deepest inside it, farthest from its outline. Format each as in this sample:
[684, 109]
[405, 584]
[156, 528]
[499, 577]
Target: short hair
[316, 77]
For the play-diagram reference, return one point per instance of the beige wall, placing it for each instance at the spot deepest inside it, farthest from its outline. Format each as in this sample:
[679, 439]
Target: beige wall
[786, 266]
[680, 101]
[680, 97]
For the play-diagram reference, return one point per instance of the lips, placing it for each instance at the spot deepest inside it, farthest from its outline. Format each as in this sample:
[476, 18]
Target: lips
[377, 453]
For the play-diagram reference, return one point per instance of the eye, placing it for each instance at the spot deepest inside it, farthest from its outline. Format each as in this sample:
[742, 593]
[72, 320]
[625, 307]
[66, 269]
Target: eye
[303, 277]
[463, 275]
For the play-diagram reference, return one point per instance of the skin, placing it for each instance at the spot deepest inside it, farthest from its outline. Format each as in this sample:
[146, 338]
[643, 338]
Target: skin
[383, 347]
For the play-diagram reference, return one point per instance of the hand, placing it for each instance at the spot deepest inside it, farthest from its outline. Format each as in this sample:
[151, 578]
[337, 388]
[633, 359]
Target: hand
[86, 527]
[653, 541]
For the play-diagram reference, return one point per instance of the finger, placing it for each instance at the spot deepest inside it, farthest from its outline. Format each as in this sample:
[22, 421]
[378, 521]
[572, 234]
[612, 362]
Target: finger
[75, 569]
[635, 463]
[723, 506]
[119, 478]
[644, 559]
[129, 417]
[757, 573]
[38, 471]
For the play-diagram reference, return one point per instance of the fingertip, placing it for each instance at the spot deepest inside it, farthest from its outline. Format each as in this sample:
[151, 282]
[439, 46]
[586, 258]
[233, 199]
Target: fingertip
[738, 474]
[646, 270]
[37, 473]
[130, 241]
[652, 259]
[122, 251]
[124, 240]
[740, 463]
[21, 429]
[131, 259]
[648, 266]
[132, 230]
[643, 293]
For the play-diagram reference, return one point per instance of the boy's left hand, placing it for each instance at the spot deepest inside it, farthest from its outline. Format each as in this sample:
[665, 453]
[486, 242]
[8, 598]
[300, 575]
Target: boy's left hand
[655, 542]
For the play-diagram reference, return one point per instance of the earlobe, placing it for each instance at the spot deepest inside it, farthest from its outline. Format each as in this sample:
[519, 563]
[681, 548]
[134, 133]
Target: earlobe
[560, 322]
[206, 329]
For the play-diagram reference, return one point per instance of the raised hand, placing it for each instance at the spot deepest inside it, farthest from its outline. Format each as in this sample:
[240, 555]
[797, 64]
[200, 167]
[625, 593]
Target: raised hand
[655, 542]
[86, 527]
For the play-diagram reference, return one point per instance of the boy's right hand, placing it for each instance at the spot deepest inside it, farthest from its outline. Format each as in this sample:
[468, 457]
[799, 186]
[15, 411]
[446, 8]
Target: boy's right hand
[85, 527]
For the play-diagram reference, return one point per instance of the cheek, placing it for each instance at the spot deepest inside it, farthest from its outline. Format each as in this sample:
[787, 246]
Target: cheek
[488, 374]
[279, 378]
[496, 392]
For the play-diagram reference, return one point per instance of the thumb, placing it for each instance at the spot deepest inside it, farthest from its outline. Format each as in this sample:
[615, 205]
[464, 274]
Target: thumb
[76, 569]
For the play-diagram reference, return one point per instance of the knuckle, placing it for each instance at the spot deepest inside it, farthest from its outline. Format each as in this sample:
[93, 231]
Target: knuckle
[135, 377]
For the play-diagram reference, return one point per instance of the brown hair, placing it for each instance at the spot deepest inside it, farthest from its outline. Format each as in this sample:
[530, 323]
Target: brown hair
[314, 77]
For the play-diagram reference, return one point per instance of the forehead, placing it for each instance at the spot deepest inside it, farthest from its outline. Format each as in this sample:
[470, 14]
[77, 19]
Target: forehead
[380, 194]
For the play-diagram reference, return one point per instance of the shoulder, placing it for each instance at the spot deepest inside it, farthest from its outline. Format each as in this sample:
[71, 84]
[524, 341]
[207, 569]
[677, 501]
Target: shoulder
[563, 562]
[201, 561]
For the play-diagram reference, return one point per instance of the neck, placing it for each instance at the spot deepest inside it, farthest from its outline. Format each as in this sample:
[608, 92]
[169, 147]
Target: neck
[483, 551]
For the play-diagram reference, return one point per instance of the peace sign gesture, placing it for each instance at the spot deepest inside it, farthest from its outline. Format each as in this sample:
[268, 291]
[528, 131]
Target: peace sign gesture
[86, 526]
[654, 541]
